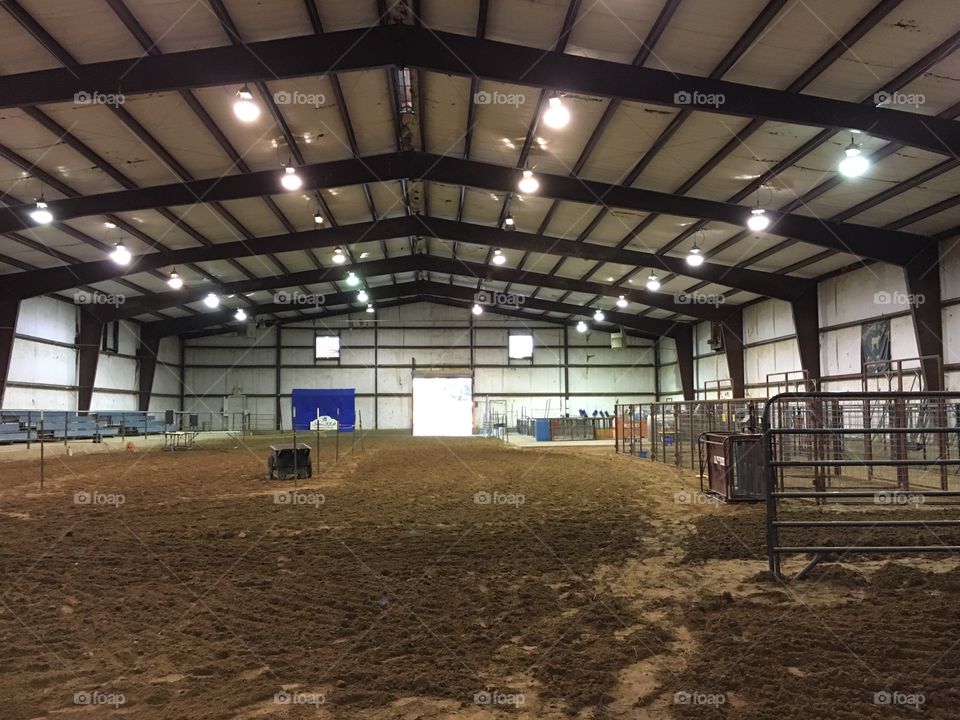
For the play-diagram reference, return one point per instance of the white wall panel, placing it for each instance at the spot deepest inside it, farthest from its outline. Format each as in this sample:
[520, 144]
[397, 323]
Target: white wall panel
[840, 351]
[864, 293]
[116, 373]
[36, 362]
[49, 319]
[951, 335]
[20, 398]
[767, 320]
[950, 269]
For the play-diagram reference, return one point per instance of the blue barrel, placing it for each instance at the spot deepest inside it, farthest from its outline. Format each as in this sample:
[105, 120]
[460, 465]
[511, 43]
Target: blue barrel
[541, 429]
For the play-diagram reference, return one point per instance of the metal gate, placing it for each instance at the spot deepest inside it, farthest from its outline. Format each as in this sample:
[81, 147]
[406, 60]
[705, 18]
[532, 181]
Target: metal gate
[676, 427]
[888, 449]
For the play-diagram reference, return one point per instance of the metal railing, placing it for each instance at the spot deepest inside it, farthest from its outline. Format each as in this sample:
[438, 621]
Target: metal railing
[675, 427]
[630, 428]
[890, 449]
[33, 426]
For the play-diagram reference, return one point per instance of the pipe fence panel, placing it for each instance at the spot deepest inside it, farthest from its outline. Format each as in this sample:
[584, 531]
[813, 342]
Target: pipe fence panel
[888, 450]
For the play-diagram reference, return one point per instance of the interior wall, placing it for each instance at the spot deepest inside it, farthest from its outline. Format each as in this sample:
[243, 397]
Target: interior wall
[847, 301]
[43, 365]
[379, 357]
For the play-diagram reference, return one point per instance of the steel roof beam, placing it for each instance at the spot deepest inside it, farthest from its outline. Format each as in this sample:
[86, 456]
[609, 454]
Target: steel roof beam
[408, 46]
[649, 327]
[37, 282]
[874, 243]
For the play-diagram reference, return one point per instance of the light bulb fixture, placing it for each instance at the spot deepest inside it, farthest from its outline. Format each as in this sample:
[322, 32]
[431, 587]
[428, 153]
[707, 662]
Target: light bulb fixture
[622, 302]
[212, 301]
[509, 223]
[362, 296]
[498, 257]
[41, 213]
[120, 254]
[581, 327]
[174, 280]
[240, 315]
[599, 316]
[528, 183]
[370, 308]
[556, 115]
[854, 164]
[244, 107]
[758, 220]
[653, 283]
[290, 179]
[695, 257]
[352, 279]
[339, 258]
[318, 218]
[477, 309]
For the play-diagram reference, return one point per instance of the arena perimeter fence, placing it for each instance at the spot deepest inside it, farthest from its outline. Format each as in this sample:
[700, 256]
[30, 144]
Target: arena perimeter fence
[858, 460]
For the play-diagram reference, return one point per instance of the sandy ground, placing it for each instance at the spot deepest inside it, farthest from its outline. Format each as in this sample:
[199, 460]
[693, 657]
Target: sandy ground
[431, 578]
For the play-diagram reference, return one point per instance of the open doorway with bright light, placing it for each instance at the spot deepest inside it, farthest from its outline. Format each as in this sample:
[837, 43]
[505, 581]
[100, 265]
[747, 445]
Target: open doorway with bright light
[443, 406]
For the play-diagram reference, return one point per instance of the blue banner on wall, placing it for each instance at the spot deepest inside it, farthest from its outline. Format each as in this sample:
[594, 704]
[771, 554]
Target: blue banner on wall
[309, 403]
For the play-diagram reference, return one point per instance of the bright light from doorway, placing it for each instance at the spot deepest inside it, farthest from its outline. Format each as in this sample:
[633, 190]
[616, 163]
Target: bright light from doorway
[443, 406]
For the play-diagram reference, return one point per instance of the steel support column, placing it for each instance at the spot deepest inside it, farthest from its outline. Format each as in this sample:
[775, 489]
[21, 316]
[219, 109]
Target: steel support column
[684, 339]
[806, 320]
[8, 329]
[147, 365]
[88, 353]
[732, 328]
[922, 275]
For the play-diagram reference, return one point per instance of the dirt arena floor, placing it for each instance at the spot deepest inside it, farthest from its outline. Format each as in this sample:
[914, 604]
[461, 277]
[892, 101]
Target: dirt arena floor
[437, 578]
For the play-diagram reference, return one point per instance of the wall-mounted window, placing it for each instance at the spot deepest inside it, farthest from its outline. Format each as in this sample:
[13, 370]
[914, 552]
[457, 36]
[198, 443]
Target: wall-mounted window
[520, 347]
[327, 347]
[110, 337]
